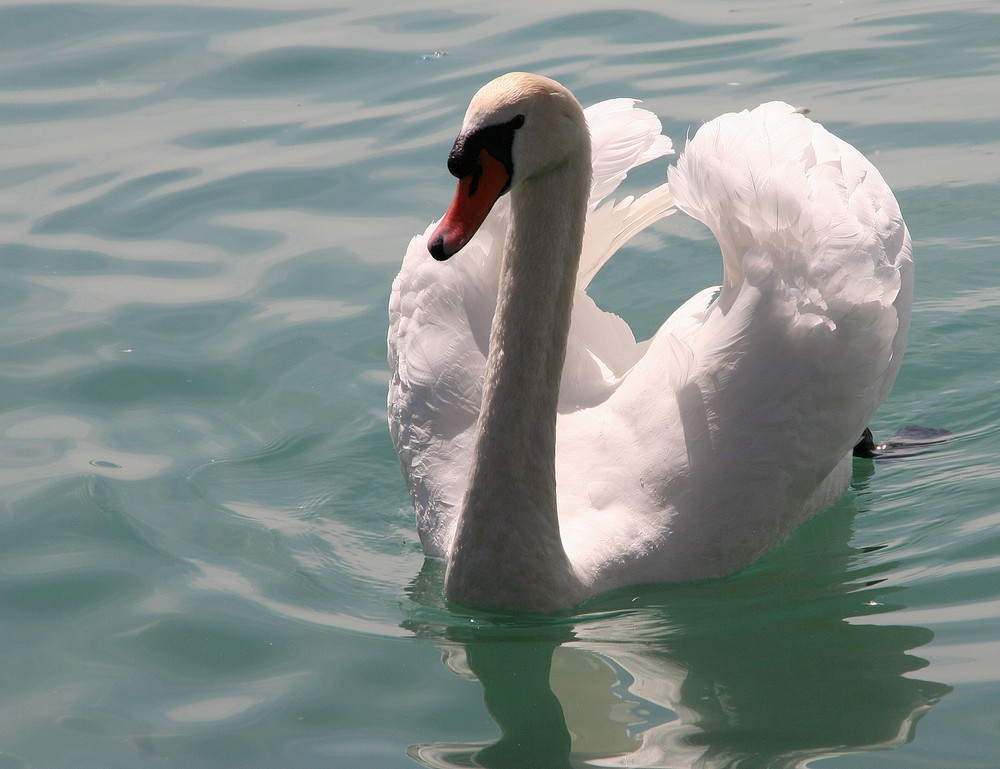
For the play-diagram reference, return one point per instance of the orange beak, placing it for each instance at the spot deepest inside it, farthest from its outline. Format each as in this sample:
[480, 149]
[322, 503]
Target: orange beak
[477, 193]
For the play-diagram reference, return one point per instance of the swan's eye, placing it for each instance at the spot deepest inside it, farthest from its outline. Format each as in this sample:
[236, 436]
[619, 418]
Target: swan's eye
[517, 122]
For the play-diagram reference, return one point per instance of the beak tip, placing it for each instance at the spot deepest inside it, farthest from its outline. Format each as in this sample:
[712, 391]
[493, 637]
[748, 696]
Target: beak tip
[438, 248]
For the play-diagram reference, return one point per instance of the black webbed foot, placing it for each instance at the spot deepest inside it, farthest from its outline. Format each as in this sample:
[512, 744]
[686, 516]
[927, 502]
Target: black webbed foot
[908, 442]
[866, 448]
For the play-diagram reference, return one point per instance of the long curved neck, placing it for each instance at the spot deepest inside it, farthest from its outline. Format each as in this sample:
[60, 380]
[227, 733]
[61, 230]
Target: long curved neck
[507, 551]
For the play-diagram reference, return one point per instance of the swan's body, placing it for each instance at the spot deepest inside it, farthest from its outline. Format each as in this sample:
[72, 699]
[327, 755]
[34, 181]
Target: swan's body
[551, 457]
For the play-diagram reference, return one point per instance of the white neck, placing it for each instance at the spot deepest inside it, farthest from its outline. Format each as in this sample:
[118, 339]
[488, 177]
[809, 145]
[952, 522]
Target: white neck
[507, 551]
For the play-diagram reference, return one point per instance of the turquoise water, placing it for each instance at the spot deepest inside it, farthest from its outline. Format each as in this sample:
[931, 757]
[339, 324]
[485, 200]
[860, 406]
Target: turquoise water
[207, 557]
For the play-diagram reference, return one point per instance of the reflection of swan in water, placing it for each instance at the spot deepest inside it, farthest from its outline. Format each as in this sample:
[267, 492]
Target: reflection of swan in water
[769, 668]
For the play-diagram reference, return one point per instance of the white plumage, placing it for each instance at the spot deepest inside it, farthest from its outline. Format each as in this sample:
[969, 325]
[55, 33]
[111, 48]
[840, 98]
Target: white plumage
[682, 457]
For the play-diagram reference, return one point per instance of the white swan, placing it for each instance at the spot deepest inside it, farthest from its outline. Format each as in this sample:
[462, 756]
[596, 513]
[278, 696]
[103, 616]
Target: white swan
[550, 457]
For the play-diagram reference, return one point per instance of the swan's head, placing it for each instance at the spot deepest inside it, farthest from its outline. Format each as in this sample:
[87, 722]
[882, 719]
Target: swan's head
[518, 127]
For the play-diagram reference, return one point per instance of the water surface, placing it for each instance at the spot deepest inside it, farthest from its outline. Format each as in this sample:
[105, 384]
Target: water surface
[207, 557]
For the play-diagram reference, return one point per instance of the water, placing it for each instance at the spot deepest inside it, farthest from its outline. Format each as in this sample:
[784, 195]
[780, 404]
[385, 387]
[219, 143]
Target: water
[206, 551]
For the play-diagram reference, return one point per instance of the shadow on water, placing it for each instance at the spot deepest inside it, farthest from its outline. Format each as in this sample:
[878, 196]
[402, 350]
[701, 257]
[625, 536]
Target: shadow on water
[770, 668]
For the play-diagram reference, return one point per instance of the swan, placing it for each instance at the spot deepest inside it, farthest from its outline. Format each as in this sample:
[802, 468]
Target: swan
[551, 457]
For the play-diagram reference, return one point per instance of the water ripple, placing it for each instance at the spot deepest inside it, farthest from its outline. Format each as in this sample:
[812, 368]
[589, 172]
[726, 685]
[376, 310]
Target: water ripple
[208, 556]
